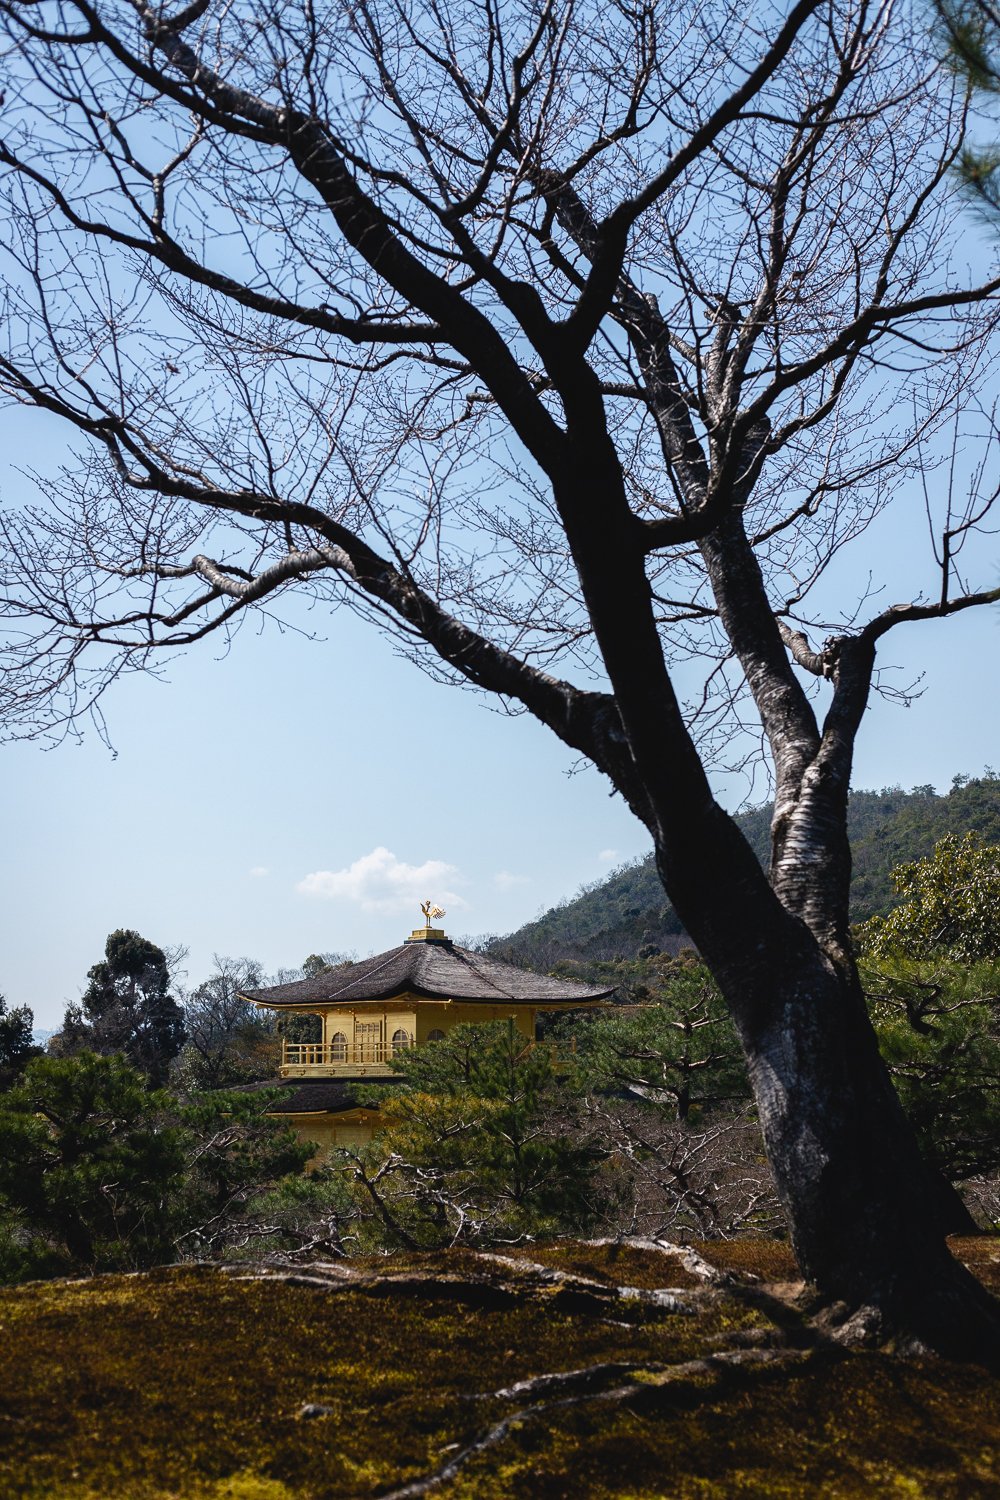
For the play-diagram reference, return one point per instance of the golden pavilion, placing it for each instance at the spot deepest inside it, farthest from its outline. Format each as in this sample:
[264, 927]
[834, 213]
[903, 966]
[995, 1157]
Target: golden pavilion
[373, 1009]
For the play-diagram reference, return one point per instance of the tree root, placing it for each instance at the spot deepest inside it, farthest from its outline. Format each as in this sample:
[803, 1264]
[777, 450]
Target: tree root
[943, 1325]
[565, 1290]
[693, 1263]
[569, 1382]
[659, 1386]
[669, 1299]
[797, 1317]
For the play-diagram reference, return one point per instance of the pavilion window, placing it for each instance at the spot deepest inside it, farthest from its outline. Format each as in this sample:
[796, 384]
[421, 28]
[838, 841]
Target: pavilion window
[338, 1047]
[368, 1039]
[400, 1040]
[437, 1035]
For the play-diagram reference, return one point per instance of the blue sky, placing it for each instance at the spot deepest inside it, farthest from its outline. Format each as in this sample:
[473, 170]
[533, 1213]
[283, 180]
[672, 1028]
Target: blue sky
[292, 797]
[298, 796]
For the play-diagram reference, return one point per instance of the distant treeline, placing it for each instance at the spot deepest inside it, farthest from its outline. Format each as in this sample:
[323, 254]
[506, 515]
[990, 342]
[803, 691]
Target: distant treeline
[627, 913]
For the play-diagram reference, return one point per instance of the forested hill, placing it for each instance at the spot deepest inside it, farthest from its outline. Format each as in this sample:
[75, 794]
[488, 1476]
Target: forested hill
[619, 916]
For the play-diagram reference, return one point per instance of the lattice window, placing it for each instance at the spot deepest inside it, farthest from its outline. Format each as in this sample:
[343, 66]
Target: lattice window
[368, 1040]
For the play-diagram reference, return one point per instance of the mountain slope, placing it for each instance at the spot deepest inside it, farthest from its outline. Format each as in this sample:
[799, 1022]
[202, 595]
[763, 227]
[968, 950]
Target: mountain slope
[616, 917]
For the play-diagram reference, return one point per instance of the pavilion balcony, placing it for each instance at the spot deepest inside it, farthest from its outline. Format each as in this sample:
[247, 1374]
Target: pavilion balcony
[371, 1059]
[332, 1059]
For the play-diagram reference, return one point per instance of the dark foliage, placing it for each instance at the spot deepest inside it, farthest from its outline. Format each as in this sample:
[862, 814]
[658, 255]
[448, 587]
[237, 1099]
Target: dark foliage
[235, 1152]
[87, 1160]
[484, 1142]
[678, 1050]
[939, 1030]
[98, 1170]
[17, 1046]
[127, 1008]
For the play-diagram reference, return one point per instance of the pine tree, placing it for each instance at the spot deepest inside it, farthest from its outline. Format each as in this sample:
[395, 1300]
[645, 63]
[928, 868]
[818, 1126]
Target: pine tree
[127, 1008]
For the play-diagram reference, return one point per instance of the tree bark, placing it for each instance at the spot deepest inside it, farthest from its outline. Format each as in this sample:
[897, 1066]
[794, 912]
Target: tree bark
[868, 1217]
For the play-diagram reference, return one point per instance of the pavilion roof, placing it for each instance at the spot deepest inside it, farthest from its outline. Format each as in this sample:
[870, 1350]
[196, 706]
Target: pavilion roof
[433, 970]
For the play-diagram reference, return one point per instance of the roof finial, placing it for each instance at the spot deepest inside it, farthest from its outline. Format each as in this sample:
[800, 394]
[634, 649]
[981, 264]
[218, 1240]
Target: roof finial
[428, 933]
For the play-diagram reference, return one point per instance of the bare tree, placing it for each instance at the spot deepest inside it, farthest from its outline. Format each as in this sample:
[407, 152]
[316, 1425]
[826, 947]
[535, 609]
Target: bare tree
[709, 1181]
[229, 1040]
[571, 343]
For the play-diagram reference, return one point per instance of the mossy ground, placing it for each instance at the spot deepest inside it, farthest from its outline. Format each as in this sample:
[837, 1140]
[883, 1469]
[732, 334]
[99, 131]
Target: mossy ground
[189, 1384]
[610, 1263]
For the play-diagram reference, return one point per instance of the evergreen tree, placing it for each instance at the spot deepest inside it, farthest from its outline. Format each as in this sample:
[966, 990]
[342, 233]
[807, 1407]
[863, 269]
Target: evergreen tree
[99, 1171]
[938, 1026]
[679, 1050]
[87, 1161]
[17, 1045]
[234, 1153]
[477, 1145]
[127, 1008]
[970, 32]
[315, 964]
[949, 906]
[931, 970]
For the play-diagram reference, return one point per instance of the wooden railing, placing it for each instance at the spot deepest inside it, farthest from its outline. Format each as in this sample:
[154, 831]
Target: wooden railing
[334, 1055]
[326, 1054]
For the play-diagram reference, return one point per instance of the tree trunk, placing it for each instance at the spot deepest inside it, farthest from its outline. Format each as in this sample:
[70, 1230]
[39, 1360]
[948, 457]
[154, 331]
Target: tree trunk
[79, 1242]
[868, 1217]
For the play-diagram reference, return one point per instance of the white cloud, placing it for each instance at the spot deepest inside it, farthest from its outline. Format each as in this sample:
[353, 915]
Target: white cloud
[505, 881]
[379, 882]
[258, 871]
[608, 856]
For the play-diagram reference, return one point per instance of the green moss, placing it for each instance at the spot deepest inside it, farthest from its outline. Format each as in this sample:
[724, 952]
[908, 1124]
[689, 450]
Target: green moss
[765, 1260]
[981, 1253]
[612, 1264]
[189, 1385]
[858, 1427]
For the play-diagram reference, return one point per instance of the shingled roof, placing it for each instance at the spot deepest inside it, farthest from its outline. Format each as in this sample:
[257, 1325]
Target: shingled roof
[434, 970]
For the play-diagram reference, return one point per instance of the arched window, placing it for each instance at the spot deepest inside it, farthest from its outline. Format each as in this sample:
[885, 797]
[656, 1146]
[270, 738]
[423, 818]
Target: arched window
[437, 1035]
[338, 1047]
[400, 1040]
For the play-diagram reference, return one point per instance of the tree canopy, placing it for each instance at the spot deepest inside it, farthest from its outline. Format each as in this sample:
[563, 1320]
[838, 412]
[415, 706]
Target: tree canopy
[476, 1145]
[87, 1160]
[679, 1049]
[98, 1170]
[949, 905]
[480, 238]
[127, 1008]
[17, 1042]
